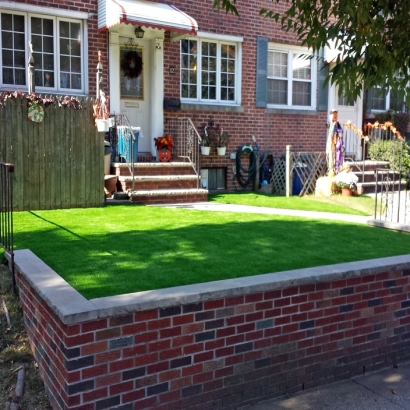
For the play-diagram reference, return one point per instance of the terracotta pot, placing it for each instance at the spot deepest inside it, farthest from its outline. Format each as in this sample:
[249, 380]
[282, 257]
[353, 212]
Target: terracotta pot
[205, 150]
[164, 155]
[346, 192]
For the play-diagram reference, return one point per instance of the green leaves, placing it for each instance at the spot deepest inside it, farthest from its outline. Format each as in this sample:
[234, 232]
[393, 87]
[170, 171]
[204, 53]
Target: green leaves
[371, 36]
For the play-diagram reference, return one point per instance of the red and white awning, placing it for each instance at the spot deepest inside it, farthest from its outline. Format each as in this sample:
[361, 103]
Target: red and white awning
[144, 13]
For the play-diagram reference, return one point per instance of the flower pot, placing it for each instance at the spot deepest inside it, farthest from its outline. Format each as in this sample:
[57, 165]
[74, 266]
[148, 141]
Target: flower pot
[102, 125]
[164, 155]
[205, 150]
[221, 150]
[346, 192]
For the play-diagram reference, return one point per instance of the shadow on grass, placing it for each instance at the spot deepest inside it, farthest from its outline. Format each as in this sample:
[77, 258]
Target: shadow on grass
[151, 248]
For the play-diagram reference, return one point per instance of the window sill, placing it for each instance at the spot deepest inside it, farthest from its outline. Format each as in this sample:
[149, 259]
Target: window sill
[290, 111]
[209, 107]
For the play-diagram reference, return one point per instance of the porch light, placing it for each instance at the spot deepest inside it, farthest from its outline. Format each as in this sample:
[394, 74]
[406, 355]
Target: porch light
[139, 32]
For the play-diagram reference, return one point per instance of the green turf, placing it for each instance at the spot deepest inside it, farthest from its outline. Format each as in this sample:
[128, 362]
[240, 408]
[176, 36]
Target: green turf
[359, 205]
[122, 249]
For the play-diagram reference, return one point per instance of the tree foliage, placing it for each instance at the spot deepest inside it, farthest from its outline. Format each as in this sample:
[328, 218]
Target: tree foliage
[371, 36]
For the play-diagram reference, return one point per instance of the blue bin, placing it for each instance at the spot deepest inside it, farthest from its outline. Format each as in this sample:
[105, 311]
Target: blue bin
[127, 144]
[297, 181]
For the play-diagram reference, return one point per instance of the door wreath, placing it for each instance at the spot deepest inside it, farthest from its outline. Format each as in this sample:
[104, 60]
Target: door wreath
[131, 64]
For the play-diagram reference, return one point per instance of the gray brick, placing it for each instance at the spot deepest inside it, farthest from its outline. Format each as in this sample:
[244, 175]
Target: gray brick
[157, 389]
[214, 324]
[107, 403]
[347, 291]
[79, 387]
[264, 324]
[307, 324]
[79, 363]
[244, 347]
[346, 308]
[134, 373]
[170, 311]
[200, 337]
[375, 302]
[70, 353]
[193, 307]
[183, 361]
[121, 342]
[192, 390]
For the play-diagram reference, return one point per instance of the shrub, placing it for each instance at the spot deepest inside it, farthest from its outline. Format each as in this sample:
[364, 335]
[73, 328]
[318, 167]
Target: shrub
[390, 150]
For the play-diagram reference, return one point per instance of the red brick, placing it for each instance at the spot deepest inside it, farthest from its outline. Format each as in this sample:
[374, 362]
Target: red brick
[108, 356]
[159, 323]
[281, 302]
[146, 337]
[157, 368]
[108, 334]
[146, 359]
[256, 297]
[339, 284]
[79, 340]
[234, 320]
[194, 369]
[146, 315]
[273, 294]
[95, 394]
[289, 310]
[240, 309]
[194, 348]
[258, 334]
[236, 300]
[214, 304]
[299, 299]
[159, 345]
[183, 340]
[134, 350]
[193, 328]
[108, 380]
[121, 364]
[94, 371]
[169, 375]
[121, 387]
[133, 328]
[182, 320]
[290, 291]
[170, 354]
[180, 383]
[94, 325]
[93, 348]
[202, 377]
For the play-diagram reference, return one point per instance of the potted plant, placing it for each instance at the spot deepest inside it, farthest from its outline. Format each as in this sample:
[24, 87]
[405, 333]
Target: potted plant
[101, 113]
[346, 188]
[221, 140]
[205, 141]
[163, 145]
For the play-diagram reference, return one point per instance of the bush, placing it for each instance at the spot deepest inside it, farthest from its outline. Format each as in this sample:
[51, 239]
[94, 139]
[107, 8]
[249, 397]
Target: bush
[390, 150]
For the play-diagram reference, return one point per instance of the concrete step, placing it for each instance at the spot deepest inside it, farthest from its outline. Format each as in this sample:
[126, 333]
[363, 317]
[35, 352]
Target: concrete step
[168, 196]
[151, 182]
[153, 168]
[370, 187]
[367, 165]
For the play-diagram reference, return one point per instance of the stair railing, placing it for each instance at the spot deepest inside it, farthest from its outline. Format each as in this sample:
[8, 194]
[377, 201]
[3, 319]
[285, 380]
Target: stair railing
[186, 142]
[124, 143]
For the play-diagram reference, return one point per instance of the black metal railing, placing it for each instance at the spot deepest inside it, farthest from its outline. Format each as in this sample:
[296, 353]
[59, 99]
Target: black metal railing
[6, 213]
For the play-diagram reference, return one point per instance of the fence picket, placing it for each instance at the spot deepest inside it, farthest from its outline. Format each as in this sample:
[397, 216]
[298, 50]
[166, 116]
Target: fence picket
[58, 163]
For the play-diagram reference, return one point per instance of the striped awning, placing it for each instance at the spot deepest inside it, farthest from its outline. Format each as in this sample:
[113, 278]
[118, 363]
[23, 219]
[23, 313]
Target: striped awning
[146, 14]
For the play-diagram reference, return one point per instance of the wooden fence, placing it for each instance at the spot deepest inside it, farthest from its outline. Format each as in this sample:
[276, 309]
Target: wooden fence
[58, 163]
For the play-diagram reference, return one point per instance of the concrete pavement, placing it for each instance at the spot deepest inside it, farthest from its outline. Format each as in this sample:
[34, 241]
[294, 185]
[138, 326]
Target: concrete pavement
[218, 207]
[385, 390]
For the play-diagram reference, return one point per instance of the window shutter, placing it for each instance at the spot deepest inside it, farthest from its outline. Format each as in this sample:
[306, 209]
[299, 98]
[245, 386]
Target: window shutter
[322, 92]
[261, 71]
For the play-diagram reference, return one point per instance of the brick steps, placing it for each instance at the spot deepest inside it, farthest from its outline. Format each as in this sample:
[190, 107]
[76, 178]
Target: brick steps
[158, 183]
[365, 170]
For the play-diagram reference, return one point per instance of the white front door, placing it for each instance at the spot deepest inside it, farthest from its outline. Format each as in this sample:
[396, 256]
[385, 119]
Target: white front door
[135, 92]
[350, 111]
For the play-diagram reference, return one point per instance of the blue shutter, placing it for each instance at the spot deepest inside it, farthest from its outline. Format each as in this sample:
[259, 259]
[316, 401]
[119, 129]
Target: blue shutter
[322, 92]
[261, 71]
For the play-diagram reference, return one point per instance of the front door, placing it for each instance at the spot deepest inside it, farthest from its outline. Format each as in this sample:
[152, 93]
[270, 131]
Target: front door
[135, 92]
[350, 111]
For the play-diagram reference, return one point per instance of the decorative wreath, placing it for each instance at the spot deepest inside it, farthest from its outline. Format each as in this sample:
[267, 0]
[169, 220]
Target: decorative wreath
[131, 64]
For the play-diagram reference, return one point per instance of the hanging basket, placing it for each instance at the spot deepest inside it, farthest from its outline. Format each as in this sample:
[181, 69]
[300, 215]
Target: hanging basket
[102, 125]
[205, 150]
[221, 150]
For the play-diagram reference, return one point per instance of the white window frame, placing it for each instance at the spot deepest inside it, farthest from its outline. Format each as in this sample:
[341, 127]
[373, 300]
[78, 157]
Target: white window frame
[57, 15]
[291, 50]
[387, 102]
[219, 40]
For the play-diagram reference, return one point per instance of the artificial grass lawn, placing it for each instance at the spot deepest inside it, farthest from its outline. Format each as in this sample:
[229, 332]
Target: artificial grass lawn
[127, 248]
[354, 205]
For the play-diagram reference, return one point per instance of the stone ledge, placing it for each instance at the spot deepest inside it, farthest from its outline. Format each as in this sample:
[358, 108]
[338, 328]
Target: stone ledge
[71, 307]
[157, 192]
[152, 164]
[147, 178]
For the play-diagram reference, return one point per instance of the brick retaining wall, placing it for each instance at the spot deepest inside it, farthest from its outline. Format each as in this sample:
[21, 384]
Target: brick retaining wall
[215, 345]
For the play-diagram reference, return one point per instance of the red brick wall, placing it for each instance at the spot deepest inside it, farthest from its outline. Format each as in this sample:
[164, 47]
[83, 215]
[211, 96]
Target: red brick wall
[273, 131]
[96, 41]
[215, 352]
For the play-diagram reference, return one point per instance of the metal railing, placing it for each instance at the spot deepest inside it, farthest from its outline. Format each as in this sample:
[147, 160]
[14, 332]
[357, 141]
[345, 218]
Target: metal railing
[6, 213]
[124, 143]
[186, 141]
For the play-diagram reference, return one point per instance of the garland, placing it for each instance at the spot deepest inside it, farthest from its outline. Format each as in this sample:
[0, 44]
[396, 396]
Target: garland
[131, 64]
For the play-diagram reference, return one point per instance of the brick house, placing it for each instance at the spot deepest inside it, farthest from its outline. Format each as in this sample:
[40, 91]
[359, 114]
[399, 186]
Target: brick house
[245, 73]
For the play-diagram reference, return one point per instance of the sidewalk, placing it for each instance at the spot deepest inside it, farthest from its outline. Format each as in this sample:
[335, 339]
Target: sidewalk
[218, 207]
[385, 390]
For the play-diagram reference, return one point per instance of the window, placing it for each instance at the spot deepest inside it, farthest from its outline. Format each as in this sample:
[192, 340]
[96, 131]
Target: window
[209, 71]
[57, 46]
[291, 78]
[383, 100]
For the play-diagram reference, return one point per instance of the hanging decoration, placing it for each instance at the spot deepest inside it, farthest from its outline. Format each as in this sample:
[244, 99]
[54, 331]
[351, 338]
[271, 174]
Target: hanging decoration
[131, 64]
[35, 112]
